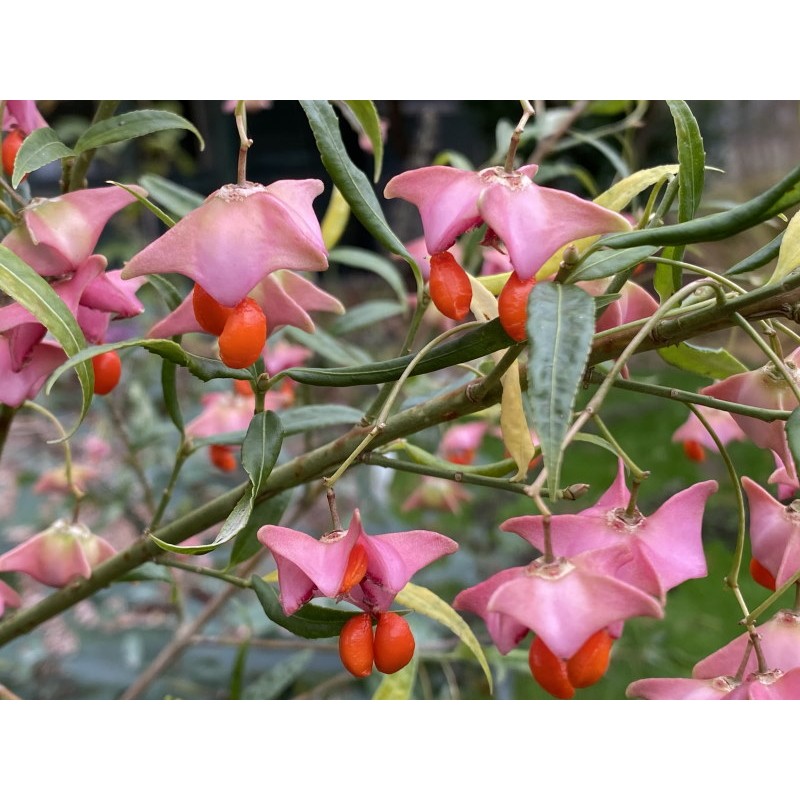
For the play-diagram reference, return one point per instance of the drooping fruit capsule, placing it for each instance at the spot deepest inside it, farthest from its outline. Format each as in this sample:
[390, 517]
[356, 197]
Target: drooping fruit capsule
[450, 289]
[222, 457]
[694, 451]
[394, 643]
[356, 568]
[761, 575]
[356, 645]
[12, 142]
[244, 335]
[549, 671]
[512, 306]
[107, 371]
[210, 315]
[590, 663]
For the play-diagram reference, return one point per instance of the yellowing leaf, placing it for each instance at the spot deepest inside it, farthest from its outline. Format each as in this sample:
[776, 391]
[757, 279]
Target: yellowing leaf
[621, 193]
[337, 215]
[789, 254]
[399, 685]
[494, 283]
[424, 601]
[513, 424]
[614, 198]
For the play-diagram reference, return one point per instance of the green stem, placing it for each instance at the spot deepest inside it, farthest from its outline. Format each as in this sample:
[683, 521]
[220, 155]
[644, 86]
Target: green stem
[73, 487]
[380, 422]
[756, 613]
[132, 457]
[455, 475]
[651, 201]
[75, 178]
[186, 566]
[637, 473]
[299, 470]
[776, 360]
[765, 414]
[181, 455]
[493, 379]
[732, 579]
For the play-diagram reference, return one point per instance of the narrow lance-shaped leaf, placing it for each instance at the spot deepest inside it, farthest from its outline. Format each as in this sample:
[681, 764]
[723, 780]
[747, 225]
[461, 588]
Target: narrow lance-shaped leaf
[363, 259]
[19, 281]
[370, 121]
[605, 263]
[560, 329]
[177, 199]
[789, 253]
[716, 363]
[310, 621]
[424, 601]
[131, 126]
[204, 368]
[170, 392]
[399, 685]
[352, 182]
[691, 176]
[41, 147]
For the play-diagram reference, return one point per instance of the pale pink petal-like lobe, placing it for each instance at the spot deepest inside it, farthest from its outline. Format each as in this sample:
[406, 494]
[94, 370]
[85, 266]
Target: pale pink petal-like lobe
[681, 688]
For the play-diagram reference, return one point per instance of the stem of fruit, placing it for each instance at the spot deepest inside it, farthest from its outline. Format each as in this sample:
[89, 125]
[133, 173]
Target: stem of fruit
[759, 610]
[481, 389]
[732, 578]
[637, 473]
[244, 141]
[777, 361]
[380, 422]
[73, 487]
[527, 113]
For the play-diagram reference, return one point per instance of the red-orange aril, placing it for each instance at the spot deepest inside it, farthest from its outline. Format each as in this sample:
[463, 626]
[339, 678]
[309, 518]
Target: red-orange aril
[244, 335]
[356, 645]
[107, 372]
[512, 306]
[356, 568]
[590, 663]
[394, 643]
[549, 671]
[222, 457]
[761, 575]
[210, 314]
[449, 286]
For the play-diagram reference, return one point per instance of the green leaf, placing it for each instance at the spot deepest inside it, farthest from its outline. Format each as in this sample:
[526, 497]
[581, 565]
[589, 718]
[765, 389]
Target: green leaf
[237, 672]
[399, 685]
[762, 256]
[309, 621]
[352, 182]
[716, 363]
[131, 126]
[150, 206]
[235, 522]
[473, 344]
[313, 417]
[425, 602]
[261, 447]
[19, 281]
[204, 368]
[622, 192]
[329, 347]
[793, 436]
[278, 678]
[452, 158]
[39, 148]
[604, 263]
[367, 116]
[268, 512]
[170, 392]
[364, 315]
[560, 330]
[260, 450]
[166, 290]
[691, 176]
[363, 259]
[178, 200]
[691, 157]
[789, 253]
